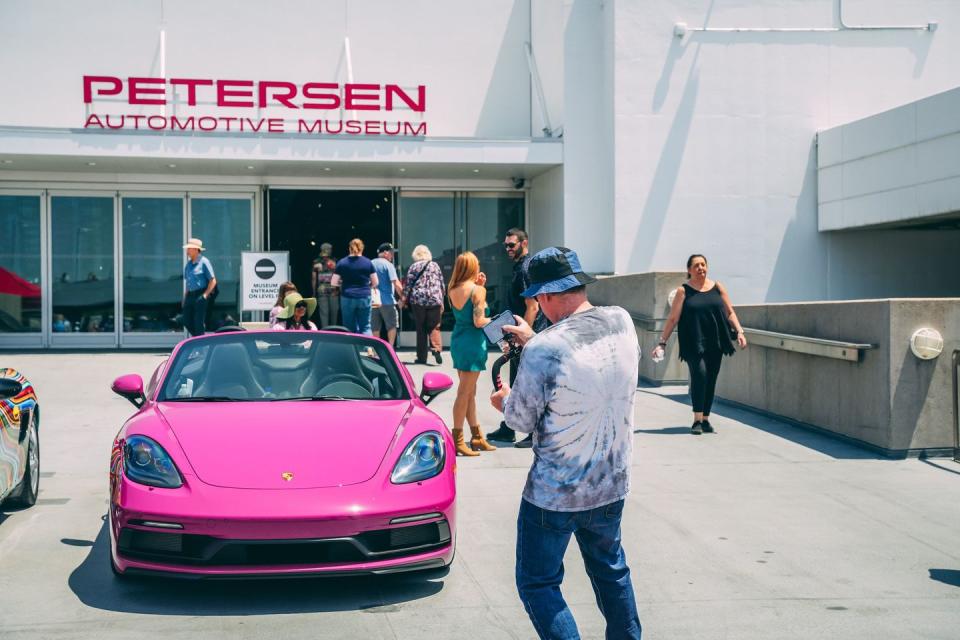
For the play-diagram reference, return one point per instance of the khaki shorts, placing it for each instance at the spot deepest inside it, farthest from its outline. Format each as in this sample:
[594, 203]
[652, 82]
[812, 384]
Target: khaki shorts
[384, 315]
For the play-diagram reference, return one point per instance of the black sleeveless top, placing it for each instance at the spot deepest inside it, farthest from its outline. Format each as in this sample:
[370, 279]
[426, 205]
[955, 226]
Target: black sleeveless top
[703, 325]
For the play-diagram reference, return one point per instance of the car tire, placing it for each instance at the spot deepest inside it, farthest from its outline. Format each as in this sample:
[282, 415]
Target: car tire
[25, 495]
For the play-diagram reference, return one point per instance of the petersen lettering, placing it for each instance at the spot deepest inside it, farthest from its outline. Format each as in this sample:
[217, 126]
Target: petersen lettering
[259, 93]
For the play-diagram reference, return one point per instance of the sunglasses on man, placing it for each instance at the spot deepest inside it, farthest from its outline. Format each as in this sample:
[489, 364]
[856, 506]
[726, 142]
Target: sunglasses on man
[510, 245]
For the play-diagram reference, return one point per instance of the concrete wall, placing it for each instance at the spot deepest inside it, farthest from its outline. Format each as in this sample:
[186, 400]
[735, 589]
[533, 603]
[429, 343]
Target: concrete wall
[546, 207]
[894, 167]
[715, 133]
[889, 400]
[469, 54]
[645, 296]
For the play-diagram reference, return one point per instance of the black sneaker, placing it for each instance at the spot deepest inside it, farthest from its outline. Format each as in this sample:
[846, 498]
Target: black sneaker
[697, 428]
[438, 357]
[526, 443]
[503, 434]
[707, 427]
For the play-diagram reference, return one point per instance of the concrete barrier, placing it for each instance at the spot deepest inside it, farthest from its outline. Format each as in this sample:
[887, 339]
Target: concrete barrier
[886, 399]
[645, 296]
[889, 400]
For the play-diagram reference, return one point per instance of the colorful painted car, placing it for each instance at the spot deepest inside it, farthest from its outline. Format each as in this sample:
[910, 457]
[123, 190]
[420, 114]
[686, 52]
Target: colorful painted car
[281, 453]
[19, 440]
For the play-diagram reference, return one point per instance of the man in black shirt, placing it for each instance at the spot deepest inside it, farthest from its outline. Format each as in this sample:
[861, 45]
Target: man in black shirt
[516, 244]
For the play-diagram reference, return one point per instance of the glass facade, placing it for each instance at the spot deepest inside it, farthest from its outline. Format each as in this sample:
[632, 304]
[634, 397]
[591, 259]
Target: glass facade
[82, 264]
[20, 264]
[105, 269]
[451, 222]
[153, 263]
[224, 225]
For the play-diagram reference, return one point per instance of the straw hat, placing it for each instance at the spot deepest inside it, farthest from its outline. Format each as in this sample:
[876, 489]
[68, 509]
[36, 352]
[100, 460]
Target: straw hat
[290, 303]
[194, 243]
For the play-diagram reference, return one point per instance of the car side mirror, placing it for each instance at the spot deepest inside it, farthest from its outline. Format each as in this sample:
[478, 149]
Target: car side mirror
[9, 388]
[130, 387]
[433, 385]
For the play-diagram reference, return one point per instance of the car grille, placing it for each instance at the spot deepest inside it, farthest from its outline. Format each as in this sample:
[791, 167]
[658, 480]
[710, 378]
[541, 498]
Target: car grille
[200, 550]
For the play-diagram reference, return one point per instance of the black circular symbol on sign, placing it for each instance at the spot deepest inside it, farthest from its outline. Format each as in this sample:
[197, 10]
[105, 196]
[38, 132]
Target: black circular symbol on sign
[265, 268]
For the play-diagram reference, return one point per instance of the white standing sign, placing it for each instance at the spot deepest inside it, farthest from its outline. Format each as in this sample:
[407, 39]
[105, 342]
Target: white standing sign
[261, 274]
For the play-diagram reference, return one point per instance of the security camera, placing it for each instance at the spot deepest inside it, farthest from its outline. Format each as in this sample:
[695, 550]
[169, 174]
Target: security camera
[518, 183]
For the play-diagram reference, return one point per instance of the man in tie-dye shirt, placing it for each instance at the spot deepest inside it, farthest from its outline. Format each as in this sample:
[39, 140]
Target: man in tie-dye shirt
[575, 393]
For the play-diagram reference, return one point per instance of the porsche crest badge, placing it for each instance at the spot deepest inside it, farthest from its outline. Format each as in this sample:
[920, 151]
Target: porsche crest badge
[287, 475]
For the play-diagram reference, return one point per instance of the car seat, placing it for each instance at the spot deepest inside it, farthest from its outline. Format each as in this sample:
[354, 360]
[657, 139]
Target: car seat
[229, 373]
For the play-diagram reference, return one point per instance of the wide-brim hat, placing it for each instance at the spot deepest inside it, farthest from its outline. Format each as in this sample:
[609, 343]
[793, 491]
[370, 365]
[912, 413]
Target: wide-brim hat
[555, 270]
[290, 303]
[194, 243]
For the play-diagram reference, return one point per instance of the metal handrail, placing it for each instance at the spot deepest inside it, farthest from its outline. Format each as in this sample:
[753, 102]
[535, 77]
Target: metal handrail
[837, 349]
[956, 405]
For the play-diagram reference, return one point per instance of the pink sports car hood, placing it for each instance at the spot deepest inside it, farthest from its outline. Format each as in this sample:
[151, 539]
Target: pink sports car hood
[285, 445]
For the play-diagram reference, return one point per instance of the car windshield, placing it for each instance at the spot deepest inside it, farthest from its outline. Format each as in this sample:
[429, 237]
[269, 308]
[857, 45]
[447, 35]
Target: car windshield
[274, 366]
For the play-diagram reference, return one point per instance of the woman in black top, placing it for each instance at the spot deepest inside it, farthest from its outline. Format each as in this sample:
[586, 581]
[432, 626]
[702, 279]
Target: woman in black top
[708, 326]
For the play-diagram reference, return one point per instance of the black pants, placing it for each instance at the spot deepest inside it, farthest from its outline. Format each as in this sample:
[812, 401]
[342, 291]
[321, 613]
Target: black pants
[514, 367]
[704, 370]
[426, 320]
[195, 313]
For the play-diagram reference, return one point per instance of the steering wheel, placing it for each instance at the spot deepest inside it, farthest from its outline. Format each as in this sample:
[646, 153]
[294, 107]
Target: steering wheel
[345, 377]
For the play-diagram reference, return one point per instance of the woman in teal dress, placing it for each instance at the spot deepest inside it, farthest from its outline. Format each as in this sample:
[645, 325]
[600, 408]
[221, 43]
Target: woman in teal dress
[468, 348]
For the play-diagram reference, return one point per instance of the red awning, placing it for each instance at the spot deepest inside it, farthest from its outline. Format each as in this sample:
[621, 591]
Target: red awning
[13, 285]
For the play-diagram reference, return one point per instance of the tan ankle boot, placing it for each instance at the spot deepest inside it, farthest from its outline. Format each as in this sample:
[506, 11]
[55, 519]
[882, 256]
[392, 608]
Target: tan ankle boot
[478, 442]
[461, 446]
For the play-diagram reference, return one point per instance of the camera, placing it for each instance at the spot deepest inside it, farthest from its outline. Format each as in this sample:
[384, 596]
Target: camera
[518, 183]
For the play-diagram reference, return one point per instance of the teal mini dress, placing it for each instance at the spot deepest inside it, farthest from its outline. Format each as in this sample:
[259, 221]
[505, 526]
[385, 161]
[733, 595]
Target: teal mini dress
[468, 345]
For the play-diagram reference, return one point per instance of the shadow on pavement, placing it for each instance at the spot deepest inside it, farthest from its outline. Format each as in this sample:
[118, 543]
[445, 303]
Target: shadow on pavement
[946, 576]
[666, 431]
[95, 586]
[805, 436]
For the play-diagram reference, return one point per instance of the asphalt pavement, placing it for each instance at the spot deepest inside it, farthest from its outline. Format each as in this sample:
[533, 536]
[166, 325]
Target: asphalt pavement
[762, 530]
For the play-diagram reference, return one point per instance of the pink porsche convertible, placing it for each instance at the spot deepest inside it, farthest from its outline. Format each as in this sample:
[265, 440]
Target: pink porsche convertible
[273, 453]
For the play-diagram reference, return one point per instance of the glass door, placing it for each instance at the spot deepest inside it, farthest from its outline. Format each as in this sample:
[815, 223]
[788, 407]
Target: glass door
[82, 264]
[21, 231]
[152, 237]
[225, 225]
[450, 222]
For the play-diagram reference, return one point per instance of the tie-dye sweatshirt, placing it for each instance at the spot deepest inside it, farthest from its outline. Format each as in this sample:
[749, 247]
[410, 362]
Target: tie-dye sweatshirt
[575, 393]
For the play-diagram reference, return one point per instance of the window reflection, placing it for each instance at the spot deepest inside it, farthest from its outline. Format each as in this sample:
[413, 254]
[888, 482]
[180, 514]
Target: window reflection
[82, 264]
[152, 264]
[224, 226]
[20, 307]
[489, 217]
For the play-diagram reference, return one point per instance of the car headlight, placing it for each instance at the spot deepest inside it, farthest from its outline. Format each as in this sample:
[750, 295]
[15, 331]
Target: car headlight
[145, 462]
[423, 458]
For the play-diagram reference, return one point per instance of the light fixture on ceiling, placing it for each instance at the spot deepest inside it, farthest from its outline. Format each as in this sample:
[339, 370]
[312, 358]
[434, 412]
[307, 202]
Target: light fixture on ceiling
[172, 166]
[91, 164]
[402, 170]
[476, 170]
[250, 167]
[326, 168]
[8, 162]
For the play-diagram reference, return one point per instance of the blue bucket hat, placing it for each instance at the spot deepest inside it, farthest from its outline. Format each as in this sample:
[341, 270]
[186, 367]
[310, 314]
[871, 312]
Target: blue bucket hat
[555, 270]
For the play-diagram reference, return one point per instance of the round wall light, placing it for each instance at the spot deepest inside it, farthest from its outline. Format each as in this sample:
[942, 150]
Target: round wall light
[926, 343]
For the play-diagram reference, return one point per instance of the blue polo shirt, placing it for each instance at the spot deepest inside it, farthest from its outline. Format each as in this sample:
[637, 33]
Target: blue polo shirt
[354, 272]
[386, 274]
[197, 275]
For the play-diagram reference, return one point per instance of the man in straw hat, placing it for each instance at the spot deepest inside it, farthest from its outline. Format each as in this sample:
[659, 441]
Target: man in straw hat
[575, 393]
[199, 281]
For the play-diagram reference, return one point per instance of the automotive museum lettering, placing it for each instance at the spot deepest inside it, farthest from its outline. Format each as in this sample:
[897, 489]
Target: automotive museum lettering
[251, 94]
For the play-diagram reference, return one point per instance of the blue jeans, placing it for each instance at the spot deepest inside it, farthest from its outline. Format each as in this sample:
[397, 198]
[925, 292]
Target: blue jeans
[356, 314]
[542, 538]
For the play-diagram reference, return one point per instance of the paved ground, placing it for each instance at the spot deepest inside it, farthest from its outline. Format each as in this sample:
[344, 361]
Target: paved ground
[761, 531]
